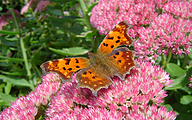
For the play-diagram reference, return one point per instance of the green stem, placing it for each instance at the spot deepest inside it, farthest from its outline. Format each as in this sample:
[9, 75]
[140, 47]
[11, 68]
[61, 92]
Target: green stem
[86, 17]
[169, 57]
[22, 46]
[163, 60]
[185, 62]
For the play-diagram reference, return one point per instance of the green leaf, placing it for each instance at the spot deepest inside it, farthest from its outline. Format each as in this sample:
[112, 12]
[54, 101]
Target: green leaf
[70, 51]
[177, 83]
[4, 32]
[12, 59]
[86, 34]
[1, 8]
[186, 99]
[16, 81]
[169, 107]
[3, 103]
[7, 98]
[8, 88]
[181, 82]
[175, 71]
[91, 7]
[54, 10]
[186, 89]
[12, 73]
[28, 18]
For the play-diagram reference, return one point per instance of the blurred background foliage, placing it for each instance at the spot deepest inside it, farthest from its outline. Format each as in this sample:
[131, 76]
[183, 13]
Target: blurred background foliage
[62, 29]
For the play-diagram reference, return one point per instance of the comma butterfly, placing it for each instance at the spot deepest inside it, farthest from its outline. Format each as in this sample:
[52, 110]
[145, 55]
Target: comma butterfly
[96, 73]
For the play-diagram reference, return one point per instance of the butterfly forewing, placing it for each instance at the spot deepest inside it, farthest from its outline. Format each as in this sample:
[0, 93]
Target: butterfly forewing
[65, 67]
[116, 37]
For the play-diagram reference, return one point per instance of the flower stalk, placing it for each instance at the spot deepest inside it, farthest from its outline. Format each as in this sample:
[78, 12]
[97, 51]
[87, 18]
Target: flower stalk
[22, 46]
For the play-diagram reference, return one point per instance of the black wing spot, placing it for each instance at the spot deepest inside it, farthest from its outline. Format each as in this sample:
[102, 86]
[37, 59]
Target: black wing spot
[69, 69]
[64, 68]
[117, 41]
[105, 44]
[77, 66]
[85, 73]
[90, 72]
[112, 46]
[114, 57]
[117, 53]
[77, 61]
[119, 61]
[118, 37]
[110, 38]
[67, 61]
[93, 77]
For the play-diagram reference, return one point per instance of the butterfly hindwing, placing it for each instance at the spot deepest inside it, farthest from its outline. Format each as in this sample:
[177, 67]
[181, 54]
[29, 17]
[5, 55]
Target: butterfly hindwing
[94, 81]
[124, 59]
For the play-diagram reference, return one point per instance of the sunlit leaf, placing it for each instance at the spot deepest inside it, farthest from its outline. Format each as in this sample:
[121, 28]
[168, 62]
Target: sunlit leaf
[70, 51]
[16, 81]
[4, 32]
[7, 98]
[186, 99]
[175, 71]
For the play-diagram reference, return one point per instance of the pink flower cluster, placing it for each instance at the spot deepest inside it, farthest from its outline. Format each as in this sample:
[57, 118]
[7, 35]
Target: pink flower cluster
[179, 9]
[164, 35]
[127, 99]
[156, 32]
[150, 113]
[26, 107]
[190, 84]
[109, 12]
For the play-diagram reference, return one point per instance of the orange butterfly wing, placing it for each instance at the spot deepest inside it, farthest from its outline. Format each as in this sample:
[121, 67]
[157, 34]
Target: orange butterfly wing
[116, 37]
[91, 79]
[65, 67]
[95, 72]
[124, 59]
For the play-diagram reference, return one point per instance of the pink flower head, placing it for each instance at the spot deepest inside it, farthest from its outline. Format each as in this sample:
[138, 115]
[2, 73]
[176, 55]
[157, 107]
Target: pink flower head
[151, 113]
[143, 85]
[164, 35]
[41, 6]
[21, 108]
[26, 107]
[87, 114]
[180, 9]
[31, 3]
[127, 99]
[107, 13]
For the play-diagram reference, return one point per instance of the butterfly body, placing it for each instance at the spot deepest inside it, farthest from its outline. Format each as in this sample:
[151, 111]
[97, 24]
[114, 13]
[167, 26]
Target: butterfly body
[96, 73]
[102, 64]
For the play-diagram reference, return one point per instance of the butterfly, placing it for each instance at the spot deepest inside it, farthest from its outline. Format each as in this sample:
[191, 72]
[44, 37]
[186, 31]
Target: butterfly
[96, 73]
